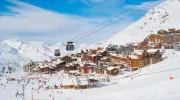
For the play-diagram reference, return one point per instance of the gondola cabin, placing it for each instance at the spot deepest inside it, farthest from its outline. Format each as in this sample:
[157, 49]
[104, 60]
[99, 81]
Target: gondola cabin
[69, 46]
[57, 53]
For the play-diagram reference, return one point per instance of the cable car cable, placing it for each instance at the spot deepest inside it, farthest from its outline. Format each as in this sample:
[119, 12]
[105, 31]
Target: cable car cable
[110, 24]
[117, 25]
[109, 19]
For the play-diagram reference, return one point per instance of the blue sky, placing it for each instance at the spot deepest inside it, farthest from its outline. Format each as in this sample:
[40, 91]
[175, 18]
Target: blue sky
[53, 21]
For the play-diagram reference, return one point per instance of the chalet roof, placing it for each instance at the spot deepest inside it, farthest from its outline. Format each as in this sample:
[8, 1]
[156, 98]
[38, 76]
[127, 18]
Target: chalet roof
[151, 45]
[52, 65]
[139, 52]
[133, 57]
[135, 44]
[81, 64]
[82, 81]
[152, 50]
[75, 82]
[74, 57]
[59, 61]
[67, 81]
[104, 58]
[93, 55]
[111, 68]
[36, 68]
[44, 65]
[90, 63]
[69, 64]
[73, 71]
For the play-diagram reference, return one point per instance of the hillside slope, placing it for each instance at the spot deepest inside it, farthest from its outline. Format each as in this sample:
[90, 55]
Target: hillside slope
[151, 83]
[163, 16]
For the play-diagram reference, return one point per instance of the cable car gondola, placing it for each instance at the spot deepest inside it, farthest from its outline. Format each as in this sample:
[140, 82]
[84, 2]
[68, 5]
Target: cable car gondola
[57, 53]
[70, 46]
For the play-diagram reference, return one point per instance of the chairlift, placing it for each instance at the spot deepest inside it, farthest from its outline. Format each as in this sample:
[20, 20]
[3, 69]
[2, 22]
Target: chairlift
[70, 46]
[57, 53]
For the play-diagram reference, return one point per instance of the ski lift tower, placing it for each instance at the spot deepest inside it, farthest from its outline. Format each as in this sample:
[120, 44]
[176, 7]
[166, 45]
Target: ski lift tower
[6, 69]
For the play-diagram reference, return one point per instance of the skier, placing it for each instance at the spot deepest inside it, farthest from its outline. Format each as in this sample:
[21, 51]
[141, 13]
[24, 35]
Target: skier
[17, 93]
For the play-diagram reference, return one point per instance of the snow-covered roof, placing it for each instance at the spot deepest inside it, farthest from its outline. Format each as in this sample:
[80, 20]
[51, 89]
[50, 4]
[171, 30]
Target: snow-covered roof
[81, 64]
[111, 68]
[36, 68]
[67, 81]
[152, 50]
[74, 71]
[82, 81]
[113, 54]
[104, 58]
[74, 57]
[133, 57]
[139, 52]
[52, 65]
[69, 64]
[74, 81]
[59, 61]
[93, 55]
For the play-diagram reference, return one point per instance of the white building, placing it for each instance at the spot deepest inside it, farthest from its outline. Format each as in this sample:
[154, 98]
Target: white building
[177, 46]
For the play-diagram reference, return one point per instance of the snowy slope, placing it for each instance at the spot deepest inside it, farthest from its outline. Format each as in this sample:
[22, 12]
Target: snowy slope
[156, 86]
[33, 50]
[163, 16]
[11, 56]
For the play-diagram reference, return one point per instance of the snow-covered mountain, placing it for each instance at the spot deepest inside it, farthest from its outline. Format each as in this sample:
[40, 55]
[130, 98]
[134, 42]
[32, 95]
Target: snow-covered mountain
[164, 16]
[15, 53]
[161, 17]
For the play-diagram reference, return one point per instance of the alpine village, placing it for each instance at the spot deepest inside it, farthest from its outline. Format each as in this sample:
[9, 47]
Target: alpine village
[84, 69]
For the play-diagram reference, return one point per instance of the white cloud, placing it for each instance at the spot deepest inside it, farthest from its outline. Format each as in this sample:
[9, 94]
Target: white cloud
[29, 22]
[24, 19]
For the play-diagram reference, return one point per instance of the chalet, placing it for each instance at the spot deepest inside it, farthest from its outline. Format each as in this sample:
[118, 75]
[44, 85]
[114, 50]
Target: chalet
[29, 67]
[70, 66]
[168, 46]
[134, 62]
[60, 65]
[69, 83]
[162, 32]
[114, 71]
[93, 82]
[101, 69]
[106, 61]
[142, 45]
[93, 57]
[171, 30]
[86, 57]
[153, 56]
[127, 49]
[86, 67]
[69, 59]
[170, 40]
[156, 40]
[47, 67]
[112, 48]
[83, 82]
[100, 49]
[117, 57]
[177, 46]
